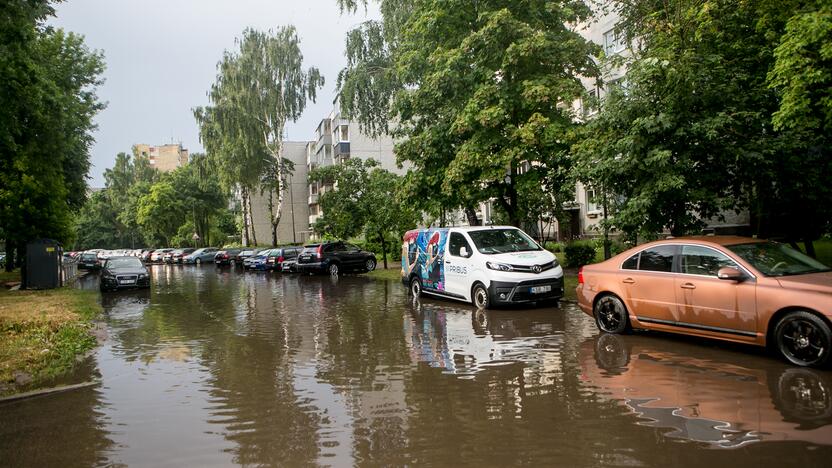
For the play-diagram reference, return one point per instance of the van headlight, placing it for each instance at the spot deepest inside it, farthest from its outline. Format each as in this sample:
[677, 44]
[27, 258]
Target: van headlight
[499, 266]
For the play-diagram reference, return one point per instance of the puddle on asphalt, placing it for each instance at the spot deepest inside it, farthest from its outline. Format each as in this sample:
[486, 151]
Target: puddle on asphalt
[216, 367]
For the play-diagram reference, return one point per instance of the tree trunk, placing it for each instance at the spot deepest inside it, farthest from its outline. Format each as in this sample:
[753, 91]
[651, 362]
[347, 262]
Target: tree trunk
[810, 247]
[245, 238]
[271, 217]
[471, 214]
[383, 248]
[10, 257]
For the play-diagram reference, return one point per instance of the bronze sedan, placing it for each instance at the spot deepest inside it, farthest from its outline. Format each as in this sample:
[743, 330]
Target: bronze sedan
[728, 288]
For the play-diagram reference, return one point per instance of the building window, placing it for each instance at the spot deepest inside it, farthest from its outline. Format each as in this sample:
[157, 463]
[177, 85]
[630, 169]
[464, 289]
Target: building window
[343, 133]
[613, 42]
[592, 206]
[617, 85]
[590, 102]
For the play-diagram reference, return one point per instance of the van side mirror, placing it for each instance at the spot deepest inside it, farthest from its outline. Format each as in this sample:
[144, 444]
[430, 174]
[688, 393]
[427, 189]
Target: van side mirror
[463, 252]
[730, 274]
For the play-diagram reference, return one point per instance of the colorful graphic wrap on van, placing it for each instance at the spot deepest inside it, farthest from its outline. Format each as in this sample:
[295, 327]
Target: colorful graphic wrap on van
[422, 254]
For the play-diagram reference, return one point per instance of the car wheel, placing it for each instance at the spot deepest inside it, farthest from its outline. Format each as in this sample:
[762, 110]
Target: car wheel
[480, 297]
[803, 339]
[416, 287]
[232, 263]
[370, 265]
[611, 315]
[333, 269]
[198, 261]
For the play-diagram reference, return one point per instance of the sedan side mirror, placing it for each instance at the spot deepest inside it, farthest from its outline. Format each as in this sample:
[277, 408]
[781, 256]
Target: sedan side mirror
[463, 252]
[730, 274]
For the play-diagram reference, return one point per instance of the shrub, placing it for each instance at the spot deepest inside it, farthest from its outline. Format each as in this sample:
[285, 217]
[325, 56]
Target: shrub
[553, 247]
[579, 253]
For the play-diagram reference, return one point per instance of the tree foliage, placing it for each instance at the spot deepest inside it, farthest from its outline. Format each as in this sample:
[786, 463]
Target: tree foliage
[690, 135]
[48, 79]
[364, 201]
[476, 91]
[259, 87]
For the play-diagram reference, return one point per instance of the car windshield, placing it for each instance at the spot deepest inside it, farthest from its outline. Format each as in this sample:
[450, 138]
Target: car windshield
[497, 241]
[773, 259]
[88, 256]
[124, 262]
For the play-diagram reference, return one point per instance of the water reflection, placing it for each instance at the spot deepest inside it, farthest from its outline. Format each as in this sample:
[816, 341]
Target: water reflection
[705, 395]
[219, 367]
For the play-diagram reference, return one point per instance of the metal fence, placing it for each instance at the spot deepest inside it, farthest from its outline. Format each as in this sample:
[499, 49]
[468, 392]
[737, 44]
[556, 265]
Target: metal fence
[69, 271]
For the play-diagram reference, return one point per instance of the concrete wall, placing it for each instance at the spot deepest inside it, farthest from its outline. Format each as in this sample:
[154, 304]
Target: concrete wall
[295, 203]
[165, 158]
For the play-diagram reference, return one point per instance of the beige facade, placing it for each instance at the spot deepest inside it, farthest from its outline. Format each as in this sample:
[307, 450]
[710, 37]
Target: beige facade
[165, 158]
[294, 221]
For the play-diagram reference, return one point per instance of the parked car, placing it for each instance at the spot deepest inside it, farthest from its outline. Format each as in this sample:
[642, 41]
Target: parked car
[226, 257]
[178, 255]
[278, 256]
[255, 257]
[88, 261]
[158, 255]
[260, 261]
[199, 256]
[2, 259]
[488, 266]
[241, 257]
[124, 273]
[722, 287]
[289, 265]
[145, 255]
[334, 257]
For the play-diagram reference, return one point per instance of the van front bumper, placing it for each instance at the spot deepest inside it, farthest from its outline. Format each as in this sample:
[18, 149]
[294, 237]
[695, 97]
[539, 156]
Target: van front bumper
[506, 292]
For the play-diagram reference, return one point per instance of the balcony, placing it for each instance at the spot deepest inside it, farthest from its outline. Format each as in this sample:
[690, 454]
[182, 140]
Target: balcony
[341, 149]
[313, 198]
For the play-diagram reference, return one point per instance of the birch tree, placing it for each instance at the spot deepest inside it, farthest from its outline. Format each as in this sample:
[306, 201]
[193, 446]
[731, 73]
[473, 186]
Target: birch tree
[260, 86]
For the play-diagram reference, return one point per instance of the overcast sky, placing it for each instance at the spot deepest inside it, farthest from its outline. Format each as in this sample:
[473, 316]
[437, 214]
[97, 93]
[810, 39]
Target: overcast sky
[161, 60]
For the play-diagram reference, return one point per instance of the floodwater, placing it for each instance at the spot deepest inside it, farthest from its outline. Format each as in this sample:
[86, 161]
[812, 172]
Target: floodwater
[216, 367]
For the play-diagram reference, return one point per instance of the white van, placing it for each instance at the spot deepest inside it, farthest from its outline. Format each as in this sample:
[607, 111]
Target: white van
[486, 265]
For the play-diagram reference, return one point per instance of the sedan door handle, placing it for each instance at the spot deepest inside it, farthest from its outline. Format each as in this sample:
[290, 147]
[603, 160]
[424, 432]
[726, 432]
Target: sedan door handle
[628, 280]
[688, 286]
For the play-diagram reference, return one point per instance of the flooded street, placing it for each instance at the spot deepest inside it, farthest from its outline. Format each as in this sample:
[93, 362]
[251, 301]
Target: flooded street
[216, 367]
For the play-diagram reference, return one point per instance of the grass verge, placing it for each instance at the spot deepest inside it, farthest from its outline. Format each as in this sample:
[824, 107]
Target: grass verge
[9, 276]
[42, 333]
[388, 274]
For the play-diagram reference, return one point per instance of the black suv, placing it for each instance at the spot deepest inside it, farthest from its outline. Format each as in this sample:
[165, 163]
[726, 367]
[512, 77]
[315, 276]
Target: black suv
[334, 257]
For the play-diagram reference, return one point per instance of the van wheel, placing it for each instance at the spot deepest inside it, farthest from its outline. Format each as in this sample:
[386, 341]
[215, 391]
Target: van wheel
[333, 269]
[416, 287]
[803, 339]
[480, 297]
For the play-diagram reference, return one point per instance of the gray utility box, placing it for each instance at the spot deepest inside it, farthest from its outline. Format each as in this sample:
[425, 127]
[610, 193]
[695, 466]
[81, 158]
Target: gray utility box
[42, 269]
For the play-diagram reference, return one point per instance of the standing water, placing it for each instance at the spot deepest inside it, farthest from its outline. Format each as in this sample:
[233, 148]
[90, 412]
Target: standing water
[217, 367]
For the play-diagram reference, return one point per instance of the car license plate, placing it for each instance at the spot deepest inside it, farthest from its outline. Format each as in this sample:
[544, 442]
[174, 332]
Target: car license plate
[305, 257]
[126, 281]
[540, 289]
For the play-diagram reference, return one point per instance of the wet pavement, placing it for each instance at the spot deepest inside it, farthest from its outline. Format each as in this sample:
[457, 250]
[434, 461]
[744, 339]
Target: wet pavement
[215, 367]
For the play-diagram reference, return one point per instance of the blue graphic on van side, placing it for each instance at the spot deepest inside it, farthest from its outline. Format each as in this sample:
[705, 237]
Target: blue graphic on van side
[423, 252]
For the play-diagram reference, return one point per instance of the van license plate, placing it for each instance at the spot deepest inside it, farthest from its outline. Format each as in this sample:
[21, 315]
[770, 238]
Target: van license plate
[540, 289]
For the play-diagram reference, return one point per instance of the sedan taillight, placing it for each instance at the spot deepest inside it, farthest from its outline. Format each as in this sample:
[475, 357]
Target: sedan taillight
[581, 275]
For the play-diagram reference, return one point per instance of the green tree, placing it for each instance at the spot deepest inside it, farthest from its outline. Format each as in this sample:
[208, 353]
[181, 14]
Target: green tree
[259, 88]
[477, 92]
[47, 87]
[161, 212]
[690, 136]
[366, 200]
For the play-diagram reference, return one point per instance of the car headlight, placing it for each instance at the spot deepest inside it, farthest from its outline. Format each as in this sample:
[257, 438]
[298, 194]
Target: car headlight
[142, 275]
[555, 263]
[499, 266]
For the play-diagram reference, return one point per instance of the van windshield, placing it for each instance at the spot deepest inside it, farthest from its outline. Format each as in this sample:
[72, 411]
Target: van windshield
[497, 241]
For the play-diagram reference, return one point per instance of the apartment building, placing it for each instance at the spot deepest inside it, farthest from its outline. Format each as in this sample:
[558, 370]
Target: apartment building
[337, 140]
[163, 157]
[294, 221]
